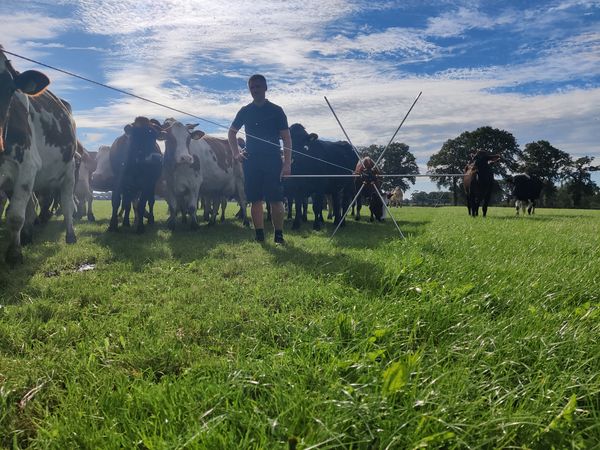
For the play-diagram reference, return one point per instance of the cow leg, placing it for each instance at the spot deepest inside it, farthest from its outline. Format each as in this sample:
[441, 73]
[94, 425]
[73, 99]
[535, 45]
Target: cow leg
[358, 207]
[304, 201]
[531, 207]
[151, 201]
[115, 200]
[289, 202]
[317, 211]
[298, 208]
[90, 213]
[15, 218]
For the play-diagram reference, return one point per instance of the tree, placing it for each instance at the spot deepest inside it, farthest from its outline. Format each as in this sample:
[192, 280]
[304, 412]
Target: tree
[397, 160]
[455, 155]
[542, 160]
[579, 176]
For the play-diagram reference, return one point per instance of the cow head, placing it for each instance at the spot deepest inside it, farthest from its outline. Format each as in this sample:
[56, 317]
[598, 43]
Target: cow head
[301, 139]
[143, 134]
[30, 82]
[177, 142]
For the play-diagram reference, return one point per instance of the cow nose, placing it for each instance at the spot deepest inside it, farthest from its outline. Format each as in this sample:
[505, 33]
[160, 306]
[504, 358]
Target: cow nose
[185, 159]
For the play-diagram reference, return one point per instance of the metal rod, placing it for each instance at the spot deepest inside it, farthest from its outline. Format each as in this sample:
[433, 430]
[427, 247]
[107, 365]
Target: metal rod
[342, 127]
[386, 176]
[398, 129]
[388, 211]
[347, 211]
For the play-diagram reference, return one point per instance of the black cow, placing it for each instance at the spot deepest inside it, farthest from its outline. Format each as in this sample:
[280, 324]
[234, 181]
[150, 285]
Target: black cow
[478, 181]
[137, 166]
[525, 189]
[312, 156]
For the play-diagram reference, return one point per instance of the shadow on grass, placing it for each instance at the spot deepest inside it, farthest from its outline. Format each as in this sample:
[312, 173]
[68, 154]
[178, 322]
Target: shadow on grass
[13, 278]
[361, 274]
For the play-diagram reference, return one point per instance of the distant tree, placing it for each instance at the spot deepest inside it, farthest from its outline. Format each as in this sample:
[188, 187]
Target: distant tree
[397, 160]
[579, 179]
[542, 160]
[455, 155]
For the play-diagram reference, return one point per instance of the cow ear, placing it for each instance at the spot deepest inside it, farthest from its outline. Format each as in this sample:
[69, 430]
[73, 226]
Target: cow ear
[32, 82]
[197, 134]
[127, 129]
[313, 137]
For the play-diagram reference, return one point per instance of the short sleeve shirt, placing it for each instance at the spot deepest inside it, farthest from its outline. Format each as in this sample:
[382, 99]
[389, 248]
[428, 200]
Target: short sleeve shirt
[263, 122]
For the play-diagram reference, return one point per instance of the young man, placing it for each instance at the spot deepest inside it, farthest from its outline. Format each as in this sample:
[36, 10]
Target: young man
[265, 123]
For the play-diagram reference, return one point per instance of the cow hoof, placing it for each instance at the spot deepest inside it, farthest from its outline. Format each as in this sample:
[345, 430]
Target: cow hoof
[70, 238]
[371, 219]
[304, 218]
[357, 218]
[317, 225]
[91, 218]
[13, 256]
[126, 224]
[246, 223]
[113, 228]
[150, 219]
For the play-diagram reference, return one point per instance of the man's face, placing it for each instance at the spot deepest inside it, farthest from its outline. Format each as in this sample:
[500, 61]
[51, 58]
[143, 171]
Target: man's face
[257, 89]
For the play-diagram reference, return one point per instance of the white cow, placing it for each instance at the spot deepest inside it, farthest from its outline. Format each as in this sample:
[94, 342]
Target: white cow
[37, 144]
[197, 165]
[83, 191]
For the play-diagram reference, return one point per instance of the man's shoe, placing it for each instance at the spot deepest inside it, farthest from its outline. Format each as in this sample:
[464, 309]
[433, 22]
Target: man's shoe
[279, 240]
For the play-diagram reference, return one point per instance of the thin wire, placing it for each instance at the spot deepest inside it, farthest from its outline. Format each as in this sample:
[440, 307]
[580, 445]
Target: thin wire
[89, 80]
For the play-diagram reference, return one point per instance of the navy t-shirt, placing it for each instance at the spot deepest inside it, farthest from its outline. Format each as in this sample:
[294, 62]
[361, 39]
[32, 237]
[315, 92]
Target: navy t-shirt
[264, 122]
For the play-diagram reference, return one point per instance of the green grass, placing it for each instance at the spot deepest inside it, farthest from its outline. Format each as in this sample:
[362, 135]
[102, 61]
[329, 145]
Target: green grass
[470, 333]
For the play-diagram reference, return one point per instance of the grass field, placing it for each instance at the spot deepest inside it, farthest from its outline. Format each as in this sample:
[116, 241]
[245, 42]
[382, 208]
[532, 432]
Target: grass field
[470, 333]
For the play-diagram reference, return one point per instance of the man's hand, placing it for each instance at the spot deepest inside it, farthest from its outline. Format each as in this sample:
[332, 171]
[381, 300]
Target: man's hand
[240, 156]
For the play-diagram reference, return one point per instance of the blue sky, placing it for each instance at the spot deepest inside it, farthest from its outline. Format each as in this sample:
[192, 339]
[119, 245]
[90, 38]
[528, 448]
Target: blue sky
[530, 68]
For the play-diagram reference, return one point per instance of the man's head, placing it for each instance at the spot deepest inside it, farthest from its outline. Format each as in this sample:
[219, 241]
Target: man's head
[257, 84]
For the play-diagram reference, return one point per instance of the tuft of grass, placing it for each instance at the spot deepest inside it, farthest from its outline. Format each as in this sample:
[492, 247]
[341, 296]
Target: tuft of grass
[470, 333]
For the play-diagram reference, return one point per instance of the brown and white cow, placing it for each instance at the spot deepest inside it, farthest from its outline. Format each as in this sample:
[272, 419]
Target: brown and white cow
[396, 197]
[197, 165]
[369, 177]
[37, 144]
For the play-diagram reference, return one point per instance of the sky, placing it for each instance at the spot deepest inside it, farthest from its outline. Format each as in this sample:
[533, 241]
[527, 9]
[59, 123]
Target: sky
[531, 68]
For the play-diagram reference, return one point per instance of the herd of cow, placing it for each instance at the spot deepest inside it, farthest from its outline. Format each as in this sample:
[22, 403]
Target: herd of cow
[42, 163]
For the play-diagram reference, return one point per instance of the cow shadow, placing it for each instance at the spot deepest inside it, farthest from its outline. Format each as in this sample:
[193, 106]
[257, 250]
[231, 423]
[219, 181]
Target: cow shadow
[355, 272]
[362, 234]
[13, 279]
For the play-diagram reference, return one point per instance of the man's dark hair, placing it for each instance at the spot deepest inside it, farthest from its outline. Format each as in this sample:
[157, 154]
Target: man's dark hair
[259, 77]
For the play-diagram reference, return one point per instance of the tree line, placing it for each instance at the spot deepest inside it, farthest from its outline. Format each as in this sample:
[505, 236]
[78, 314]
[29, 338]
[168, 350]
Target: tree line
[567, 180]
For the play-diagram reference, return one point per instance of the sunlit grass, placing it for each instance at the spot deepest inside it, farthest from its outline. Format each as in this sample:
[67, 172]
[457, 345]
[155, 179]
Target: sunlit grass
[469, 333]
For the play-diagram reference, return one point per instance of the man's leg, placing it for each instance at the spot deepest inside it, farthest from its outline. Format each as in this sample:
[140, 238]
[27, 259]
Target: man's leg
[277, 213]
[256, 210]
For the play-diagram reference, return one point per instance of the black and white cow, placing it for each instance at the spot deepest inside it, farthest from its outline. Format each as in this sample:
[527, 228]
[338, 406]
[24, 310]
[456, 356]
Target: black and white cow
[136, 161]
[312, 156]
[37, 144]
[526, 190]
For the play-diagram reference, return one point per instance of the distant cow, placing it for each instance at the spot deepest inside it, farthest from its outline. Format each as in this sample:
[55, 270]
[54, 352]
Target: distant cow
[478, 182]
[136, 161]
[37, 144]
[198, 165]
[526, 190]
[396, 197]
[370, 179]
[312, 156]
[83, 191]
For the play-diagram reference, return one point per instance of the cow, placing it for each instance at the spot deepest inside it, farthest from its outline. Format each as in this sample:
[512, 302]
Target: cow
[525, 189]
[83, 192]
[396, 197]
[198, 165]
[478, 181]
[312, 156]
[369, 180]
[37, 144]
[136, 161]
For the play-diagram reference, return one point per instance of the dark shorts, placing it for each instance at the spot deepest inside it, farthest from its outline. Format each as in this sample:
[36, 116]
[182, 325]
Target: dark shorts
[262, 177]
